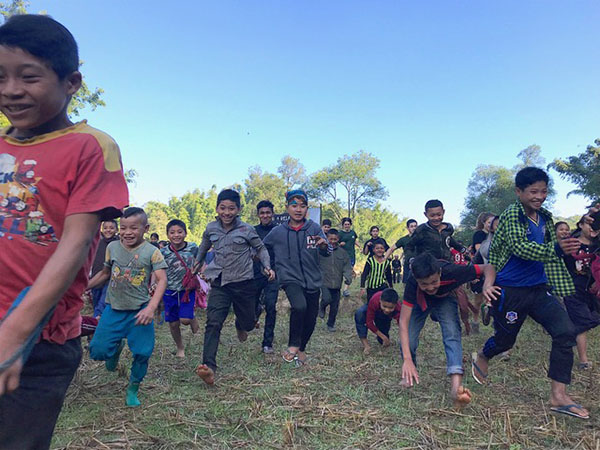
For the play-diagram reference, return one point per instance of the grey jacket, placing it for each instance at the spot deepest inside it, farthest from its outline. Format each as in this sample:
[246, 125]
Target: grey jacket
[334, 267]
[233, 255]
[296, 257]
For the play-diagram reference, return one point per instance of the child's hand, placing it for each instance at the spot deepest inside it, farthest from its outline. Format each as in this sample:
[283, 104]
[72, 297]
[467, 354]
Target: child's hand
[9, 378]
[145, 316]
[386, 341]
[569, 245]
[342, 244]
[410, 376]
[491, 293]
[320, 242]
[270, 273]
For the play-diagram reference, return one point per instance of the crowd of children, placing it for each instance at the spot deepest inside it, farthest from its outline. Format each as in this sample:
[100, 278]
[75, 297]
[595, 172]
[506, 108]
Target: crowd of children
[70, 179]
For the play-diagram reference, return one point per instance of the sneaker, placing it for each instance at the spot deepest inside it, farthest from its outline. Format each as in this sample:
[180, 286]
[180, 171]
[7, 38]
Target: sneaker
[346, 293]
[330, 329]
[268, 350]
[486, 314]
[584, 366]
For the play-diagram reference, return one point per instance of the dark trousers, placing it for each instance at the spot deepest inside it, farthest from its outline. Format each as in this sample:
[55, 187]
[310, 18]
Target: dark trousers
[331, 298]
[266, 297]
[510, 312]
[303, 317]
[29, 414]
[382, 322]
[397, 276]
[220, 299]
[371, 291]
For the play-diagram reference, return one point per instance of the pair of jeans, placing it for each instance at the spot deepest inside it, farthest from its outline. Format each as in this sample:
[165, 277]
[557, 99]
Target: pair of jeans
[331, 298]
[511, 310]
[266, 298]
[98, 299]
[241, 295]
[382, 322]
[28, 415]
[303, 316]
[116, 325]
[445, 311]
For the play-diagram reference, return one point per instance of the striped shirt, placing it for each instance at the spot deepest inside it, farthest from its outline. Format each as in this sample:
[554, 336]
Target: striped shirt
[376, 274]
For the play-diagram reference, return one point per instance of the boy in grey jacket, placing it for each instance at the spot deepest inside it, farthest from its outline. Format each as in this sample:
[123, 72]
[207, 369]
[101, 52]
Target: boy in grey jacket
[296, 246]
[231, 276]
[335, 267]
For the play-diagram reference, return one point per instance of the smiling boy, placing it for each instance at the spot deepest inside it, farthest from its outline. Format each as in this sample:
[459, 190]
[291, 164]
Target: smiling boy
[531, 272]
[58, 181]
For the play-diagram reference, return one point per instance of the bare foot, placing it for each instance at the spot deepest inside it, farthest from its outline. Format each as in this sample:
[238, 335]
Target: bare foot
[242, 335]
[206, 373]
[461, 397]
[366, 350]
[180, 353]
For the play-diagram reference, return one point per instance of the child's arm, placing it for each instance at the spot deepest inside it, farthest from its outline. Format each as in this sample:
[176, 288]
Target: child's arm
[262, 253]
[100, 278]
[409, 370]
[388, 275]
[364, 275]
[459, 247]
[49, 287]
[347, 269]
[489, 291]
[146, 315]
[371, 325]
[389, 251]
[203, 249]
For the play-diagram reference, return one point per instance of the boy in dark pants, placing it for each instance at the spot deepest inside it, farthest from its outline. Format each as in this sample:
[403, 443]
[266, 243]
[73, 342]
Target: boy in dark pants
[231, 276]
[266, 291]
[527, 256]
[64, 179]
[377, 316]
[335, 267]
[296, 245]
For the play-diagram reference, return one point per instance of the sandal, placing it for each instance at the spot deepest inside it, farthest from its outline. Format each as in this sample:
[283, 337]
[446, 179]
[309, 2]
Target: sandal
[289, 356]
[584, 366]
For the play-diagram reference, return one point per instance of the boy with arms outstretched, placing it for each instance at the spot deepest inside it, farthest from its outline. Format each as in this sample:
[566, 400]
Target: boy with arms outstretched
[431, 290]
[63, 180]
[377, 316]
[130, 264]
[231, 276]
[528, 259]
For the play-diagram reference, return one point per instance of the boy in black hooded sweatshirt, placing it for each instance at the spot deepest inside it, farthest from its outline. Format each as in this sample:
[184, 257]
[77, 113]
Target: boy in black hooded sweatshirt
[296, 246]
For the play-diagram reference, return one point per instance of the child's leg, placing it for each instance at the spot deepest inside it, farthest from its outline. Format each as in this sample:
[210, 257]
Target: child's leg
[333, 306]
[360, 320]
[417, 321]
[186, 311]
[446, 311]
[582, 347]
[219, 302]
[260, 285]
[310, 318]
[270, 297]
[243, 295]
[106, 343]
[295, 295]
[383, 323]
[171, 304]
[28, 415]
[141, 344]
[325, 301]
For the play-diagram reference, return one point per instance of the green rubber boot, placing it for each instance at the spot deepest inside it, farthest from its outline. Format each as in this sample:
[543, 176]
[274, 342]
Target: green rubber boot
[112, 363]
[132, 395]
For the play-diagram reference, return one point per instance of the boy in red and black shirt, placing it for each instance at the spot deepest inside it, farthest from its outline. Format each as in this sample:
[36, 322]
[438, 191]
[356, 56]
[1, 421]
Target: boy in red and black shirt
[377, 316]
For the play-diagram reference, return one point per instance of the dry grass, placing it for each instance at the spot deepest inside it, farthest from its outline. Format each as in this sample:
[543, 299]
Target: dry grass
[341, 400]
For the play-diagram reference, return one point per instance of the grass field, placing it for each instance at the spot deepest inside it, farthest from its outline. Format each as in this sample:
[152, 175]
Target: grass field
[341, 400]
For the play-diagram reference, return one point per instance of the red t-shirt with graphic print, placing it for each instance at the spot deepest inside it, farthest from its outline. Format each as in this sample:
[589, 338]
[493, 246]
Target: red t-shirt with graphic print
[42, 181]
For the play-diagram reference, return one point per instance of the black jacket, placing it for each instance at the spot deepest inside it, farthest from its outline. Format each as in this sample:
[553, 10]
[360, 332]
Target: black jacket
[438, 243]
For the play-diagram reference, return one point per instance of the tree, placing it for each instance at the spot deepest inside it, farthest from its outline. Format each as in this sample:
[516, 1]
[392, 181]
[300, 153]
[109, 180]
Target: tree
[263, 186]
[351, 183]
[292, 172]
[583, 171]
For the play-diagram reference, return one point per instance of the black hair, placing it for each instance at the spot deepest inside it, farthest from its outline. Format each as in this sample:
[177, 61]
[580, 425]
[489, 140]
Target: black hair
[433, 204]
[264, 204]
[113, 221]
[389, 296]
[346, 219]
[44, 38]
[135, 211]
[530, 175]
[154, 235]
[409, 221]
[558, 224]
[326, 222]
[229, 194]
[374, 227]
[176, 223]
[424, 266]
[378, 243]
[332, 231]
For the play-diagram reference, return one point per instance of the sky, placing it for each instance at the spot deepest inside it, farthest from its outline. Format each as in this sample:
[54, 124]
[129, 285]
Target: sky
[197, 92]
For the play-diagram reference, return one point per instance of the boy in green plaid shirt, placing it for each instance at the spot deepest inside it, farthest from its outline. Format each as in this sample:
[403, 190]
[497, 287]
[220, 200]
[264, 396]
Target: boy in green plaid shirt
[531, 272]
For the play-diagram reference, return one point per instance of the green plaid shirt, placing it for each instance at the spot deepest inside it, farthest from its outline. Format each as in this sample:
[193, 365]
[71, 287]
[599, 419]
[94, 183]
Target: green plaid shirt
[511, 239]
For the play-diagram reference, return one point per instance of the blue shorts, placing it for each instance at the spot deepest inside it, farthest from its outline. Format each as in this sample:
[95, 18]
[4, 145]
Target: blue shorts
[175, 309]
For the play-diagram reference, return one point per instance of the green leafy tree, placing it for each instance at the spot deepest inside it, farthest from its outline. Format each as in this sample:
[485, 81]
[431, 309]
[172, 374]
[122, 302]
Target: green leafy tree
[292, 172]
[583, 170]
[263, 186]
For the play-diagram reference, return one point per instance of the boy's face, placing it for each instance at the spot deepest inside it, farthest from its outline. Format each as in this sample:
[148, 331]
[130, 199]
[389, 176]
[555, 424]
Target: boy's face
[412, 227]
[265, 215]
[563, 231]
[375, 233]
[435, 216]
[132, 230]
[297, 208]
[326, 229]
[333, 239]
[533, 196]
[379, 250]
[386, 307]
[153, 238]
[431, 284]
[176, 235]
[346, 226]
[32, 96]
[108, 230]
[227, 211]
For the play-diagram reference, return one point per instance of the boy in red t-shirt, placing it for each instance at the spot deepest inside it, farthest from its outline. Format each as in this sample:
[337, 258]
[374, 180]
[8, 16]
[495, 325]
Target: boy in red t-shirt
[377, 315]
[58, 181]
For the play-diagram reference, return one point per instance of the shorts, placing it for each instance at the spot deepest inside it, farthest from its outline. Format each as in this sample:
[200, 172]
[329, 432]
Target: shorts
[175, 309]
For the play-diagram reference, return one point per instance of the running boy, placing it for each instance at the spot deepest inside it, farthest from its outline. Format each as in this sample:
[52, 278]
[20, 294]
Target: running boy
[527, 257]
[430, 290]
[335, 268]
[179, 303]
[130, 264]
[377, 273]
[348, 241]
[377, 316]
[231, 276]
[63, 180]
[108, 234]
[296, 245]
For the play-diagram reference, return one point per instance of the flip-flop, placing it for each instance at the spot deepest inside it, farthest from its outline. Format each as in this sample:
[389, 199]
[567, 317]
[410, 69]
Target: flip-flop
[475, 368]
[566, 409]
[289, 356]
